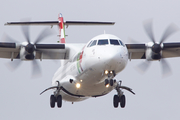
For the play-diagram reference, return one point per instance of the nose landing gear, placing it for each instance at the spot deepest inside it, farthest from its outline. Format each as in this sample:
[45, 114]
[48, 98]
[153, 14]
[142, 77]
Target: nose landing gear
[120, 97]
[110, 75]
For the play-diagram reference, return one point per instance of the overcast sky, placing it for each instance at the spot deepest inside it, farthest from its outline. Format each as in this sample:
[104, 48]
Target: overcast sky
[156, 97]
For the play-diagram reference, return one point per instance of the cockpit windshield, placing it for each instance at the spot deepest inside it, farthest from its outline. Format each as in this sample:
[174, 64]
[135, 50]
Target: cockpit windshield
[121, 43]
[93, 43]
[114, 42]
[103, 42]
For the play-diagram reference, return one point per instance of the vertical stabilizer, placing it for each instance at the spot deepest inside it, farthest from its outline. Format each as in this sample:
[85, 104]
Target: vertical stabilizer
[61, 28]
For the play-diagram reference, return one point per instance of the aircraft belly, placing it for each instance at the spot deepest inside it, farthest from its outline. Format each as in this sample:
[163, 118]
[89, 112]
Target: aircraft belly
[84, 92]
[70, 98]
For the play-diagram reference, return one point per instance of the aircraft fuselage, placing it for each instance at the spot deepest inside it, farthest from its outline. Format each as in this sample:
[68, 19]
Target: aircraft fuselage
[83, 76]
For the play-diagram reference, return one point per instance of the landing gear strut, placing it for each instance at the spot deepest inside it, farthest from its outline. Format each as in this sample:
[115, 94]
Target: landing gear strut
[120, 97]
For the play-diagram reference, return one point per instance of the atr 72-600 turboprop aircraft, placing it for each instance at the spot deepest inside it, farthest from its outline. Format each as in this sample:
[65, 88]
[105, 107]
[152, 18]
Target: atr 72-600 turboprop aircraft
[88, 70]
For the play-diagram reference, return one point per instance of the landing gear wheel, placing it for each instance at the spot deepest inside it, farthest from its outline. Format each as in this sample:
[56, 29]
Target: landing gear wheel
[52, 101]
[106, 82]
[111, 82]
[122, 101]
[59, 101]
[116, 101]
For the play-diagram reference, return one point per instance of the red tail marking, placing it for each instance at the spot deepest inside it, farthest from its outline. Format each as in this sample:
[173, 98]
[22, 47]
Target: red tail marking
[61, 29]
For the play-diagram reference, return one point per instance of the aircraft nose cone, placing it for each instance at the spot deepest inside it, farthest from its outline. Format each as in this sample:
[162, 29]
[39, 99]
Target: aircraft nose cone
[112, 58]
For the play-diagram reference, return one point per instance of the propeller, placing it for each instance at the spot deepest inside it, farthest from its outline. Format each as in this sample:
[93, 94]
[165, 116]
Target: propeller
[157, 47]
[30, 48]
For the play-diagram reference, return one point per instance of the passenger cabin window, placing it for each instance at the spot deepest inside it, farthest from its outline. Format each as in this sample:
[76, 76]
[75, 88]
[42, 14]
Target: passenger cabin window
[114, 42]
[103, 42]
[93, 43]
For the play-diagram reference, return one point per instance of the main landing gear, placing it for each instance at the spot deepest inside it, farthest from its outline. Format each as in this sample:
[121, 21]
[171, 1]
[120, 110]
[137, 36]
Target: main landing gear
[57, 99]
[120, 97]
[121, 100]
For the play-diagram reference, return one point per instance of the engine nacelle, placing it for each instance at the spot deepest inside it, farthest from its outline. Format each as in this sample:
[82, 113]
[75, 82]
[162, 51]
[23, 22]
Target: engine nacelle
[24, 55]
[150, 55]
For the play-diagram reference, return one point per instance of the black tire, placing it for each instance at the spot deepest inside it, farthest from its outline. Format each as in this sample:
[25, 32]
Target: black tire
[52, 101]
[116, 101]
[106, 82]
[59, 101]
[111, 82]
[122, 101]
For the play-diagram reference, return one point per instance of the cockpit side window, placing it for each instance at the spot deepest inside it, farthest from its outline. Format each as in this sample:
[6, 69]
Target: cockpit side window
[114, 42]
[103, 42]
[89, 43]
[121, 42]
[93, 43]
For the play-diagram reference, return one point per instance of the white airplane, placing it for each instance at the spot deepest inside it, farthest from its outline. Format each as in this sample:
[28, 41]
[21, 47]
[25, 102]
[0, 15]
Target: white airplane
[88, 70]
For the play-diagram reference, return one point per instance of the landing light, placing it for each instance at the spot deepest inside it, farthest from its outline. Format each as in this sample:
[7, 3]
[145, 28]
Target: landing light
[107, 85]
[78, 85]
[106, 72]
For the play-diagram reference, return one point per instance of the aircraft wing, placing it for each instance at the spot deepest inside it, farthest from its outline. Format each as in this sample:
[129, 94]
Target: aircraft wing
[43, 51]
[138, 51]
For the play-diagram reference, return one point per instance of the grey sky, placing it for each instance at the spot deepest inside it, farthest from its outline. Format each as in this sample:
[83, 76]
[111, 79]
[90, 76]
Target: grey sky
[155, 98]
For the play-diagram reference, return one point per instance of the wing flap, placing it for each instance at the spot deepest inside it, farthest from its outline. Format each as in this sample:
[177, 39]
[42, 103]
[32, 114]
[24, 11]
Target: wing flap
[9, 55]
[51, 54]
[9, 50]
[136, 51]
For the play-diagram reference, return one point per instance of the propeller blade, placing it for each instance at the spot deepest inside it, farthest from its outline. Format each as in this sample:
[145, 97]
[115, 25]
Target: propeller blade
[172, 28]
[13, 64]
[143, 66]
[36, 71]
[7, 38]
[166, 70]
[25, 30]
[45, 33]
[148, 28]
